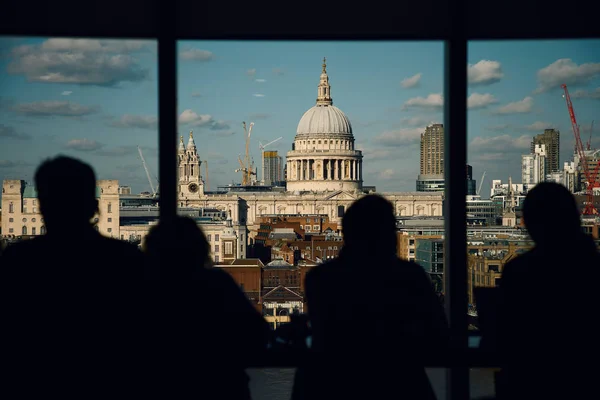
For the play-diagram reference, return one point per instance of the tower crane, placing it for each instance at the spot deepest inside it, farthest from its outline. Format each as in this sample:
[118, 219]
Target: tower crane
[206, 169]
[245, 166]
[262, 154]
[481, 183]
[589, 142]
[147, 171]
[589, 208]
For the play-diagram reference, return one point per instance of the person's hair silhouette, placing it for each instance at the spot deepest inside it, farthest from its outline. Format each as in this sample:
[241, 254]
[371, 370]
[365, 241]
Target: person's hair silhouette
[65, 176]
[370, 223]
[368, 305]
[551, 214]
[180, 246]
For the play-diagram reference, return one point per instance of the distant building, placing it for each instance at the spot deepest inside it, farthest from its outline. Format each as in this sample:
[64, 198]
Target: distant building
[533, 167]
[431, 168]
[124, 190]
[21, 216]
[471, 183]
[272, 168]
[551, 139]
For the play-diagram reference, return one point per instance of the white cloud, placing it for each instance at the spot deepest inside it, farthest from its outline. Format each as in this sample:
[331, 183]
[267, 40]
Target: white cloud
[501, 127]
[83, 145]
[587, 94]
[484, 72]
[399, 137]
[260, 80]
[416, 121]
[192, 118]
[477, 100]
[540, 126]
[278, 71]
[80, 61]
[251, 72]
[377, 154]
[196, 55]
[496, 148]
[433, 100]
[66, 93]
[136, 121]
[517, 107]
[567, 72]
[8, 132]
[189, 117]
[258, 95]
[386, 174]
[411, 82]
[54, 108]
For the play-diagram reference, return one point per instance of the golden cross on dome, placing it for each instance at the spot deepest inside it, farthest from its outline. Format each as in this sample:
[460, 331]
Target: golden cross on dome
[192, 134]
[324, 64]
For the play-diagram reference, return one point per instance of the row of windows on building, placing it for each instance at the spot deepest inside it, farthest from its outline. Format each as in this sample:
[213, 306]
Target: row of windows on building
[11, 207]
[25, 230]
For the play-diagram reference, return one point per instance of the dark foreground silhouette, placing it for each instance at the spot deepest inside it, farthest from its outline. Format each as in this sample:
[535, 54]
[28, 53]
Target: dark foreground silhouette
[206, 325]
[69, 301]
[370, 314]
[548, 303]
[72, 249]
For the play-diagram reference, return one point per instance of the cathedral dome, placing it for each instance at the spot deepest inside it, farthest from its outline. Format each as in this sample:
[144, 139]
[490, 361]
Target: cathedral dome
[324, 119]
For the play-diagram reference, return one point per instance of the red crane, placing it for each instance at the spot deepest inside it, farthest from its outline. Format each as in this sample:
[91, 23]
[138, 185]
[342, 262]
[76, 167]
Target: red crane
[589, 142]
[589, 208]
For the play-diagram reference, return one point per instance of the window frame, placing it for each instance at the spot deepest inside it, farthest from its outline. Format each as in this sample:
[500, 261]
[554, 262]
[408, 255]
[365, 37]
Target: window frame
[455, 113]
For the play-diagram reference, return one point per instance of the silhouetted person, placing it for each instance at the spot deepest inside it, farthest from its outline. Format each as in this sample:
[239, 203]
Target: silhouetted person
[370, 312]
[209, 327]
[68, 304]
[71, 249]
[548, 304]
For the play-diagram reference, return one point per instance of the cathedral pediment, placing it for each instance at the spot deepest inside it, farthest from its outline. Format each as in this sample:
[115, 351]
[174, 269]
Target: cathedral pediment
[341, 195]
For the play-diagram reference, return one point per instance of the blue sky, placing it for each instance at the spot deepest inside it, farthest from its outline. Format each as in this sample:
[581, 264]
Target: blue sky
[97, 100]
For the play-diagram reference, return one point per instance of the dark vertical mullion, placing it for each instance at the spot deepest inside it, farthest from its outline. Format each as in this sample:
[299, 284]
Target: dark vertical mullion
[455, 160]
[167, 112]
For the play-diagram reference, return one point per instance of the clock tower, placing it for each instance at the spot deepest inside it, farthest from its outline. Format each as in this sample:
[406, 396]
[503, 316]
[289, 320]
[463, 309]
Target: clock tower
[191, 186]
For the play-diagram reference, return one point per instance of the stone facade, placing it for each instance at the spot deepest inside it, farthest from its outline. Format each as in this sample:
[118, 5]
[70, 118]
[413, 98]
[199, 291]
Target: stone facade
[21, 213]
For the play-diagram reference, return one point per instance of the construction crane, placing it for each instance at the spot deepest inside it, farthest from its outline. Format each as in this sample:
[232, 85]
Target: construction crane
[589, 142]
[245, 166]
[262, 154]
[481, 183]
[589, 208]
[246, 173]
[206, 169]
[147, 171]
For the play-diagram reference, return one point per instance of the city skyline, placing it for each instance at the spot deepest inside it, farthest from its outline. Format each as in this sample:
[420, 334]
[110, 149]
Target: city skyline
[97, 100]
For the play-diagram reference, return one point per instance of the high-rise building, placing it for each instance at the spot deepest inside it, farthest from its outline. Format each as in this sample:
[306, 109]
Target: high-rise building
[431, 171]
[471, 183]
[551, 139]
[272, 168]
[432, 150]
[533, 167]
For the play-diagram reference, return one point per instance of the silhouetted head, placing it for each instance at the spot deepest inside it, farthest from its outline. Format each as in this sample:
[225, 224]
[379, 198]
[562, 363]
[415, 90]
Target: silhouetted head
[369, 227]
[179, 247]
[551, 214]
[67, 193]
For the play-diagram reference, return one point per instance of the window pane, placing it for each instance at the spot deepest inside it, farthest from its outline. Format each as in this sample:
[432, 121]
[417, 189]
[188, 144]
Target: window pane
[284, 176]
[520, 134]
[95, 100]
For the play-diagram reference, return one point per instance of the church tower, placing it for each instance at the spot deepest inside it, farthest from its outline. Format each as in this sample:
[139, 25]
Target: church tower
[191, 186]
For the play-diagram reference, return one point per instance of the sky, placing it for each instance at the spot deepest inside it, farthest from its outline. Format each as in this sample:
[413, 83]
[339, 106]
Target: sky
[97, 100]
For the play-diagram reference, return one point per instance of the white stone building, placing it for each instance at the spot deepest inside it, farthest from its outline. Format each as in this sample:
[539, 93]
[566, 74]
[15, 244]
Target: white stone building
[324, 174]
[21, 213]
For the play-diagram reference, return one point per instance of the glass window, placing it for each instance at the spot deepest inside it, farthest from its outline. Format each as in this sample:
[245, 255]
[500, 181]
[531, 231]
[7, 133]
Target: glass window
[63, 100]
